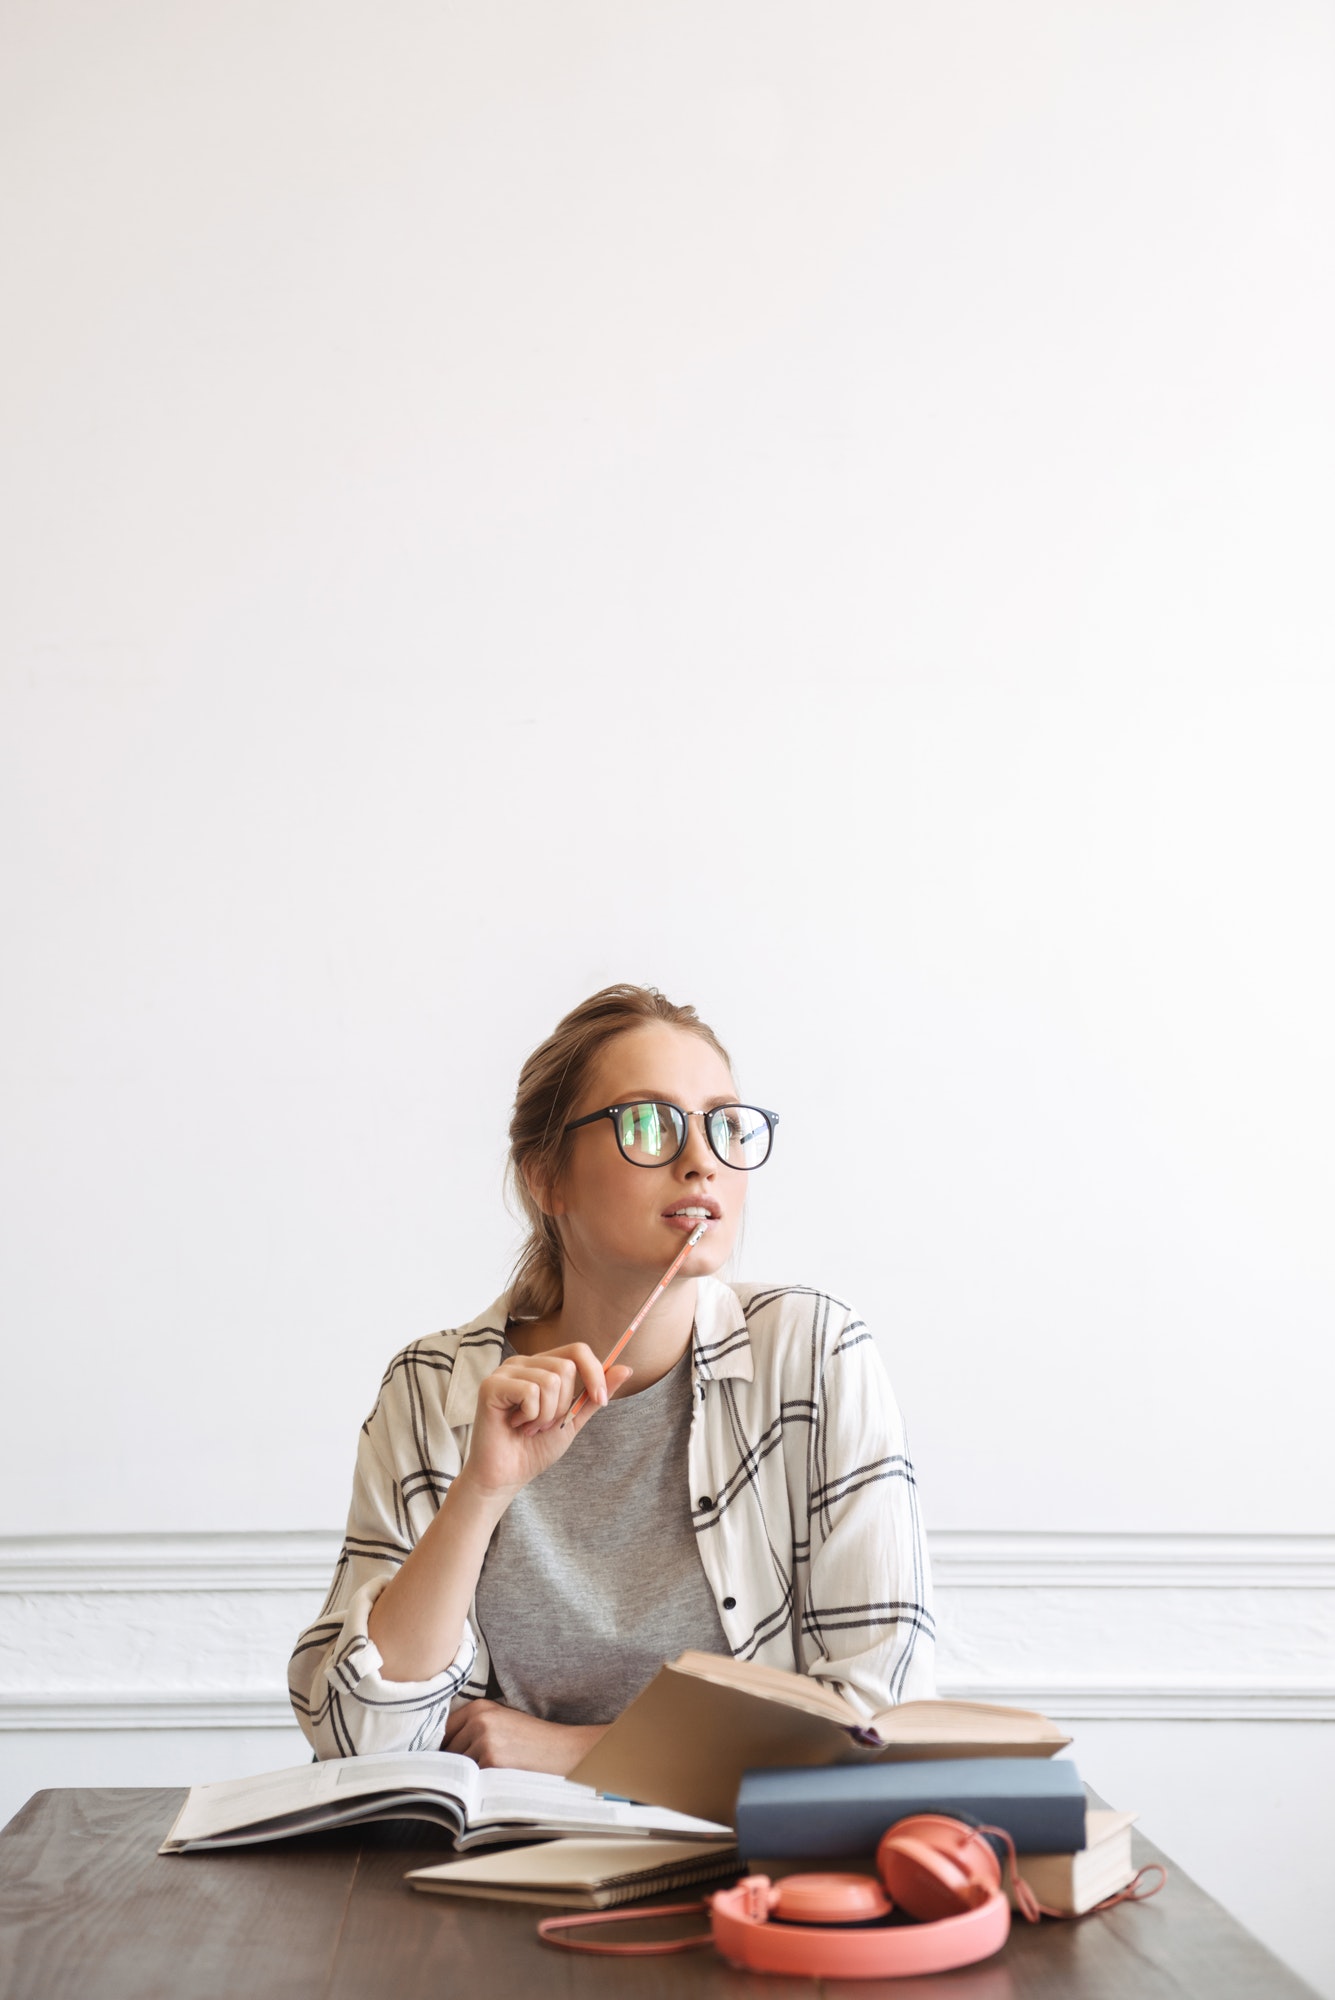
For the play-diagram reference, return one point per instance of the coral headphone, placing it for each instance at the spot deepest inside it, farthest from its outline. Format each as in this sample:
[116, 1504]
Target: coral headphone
[832, 1926]
[932, 1867]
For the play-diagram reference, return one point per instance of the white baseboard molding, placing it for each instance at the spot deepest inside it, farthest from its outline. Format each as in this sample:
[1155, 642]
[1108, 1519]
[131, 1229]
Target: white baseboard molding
[1108, 1626]
[296, 1560]
[136, 1709]
[302, 1558]
[189, 1709]
[967, 1557]
[1150, 1701]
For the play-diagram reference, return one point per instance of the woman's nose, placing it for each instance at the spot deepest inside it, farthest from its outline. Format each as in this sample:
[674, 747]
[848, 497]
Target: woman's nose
[696, 1154]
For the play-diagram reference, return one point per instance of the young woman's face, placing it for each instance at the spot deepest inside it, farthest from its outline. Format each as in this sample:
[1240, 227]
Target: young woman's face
[613, 1215]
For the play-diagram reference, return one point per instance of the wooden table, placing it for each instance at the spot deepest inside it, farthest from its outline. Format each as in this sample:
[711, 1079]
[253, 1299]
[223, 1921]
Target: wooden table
[89, 1910]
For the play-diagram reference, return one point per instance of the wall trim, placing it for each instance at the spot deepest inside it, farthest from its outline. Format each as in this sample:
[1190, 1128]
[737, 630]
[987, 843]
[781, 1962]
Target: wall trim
[246, 1708]
[165, 1708]
[1288, 1649]
[1159, 1560]
[302, 1559]
[293, 1559]
[1152, 1701]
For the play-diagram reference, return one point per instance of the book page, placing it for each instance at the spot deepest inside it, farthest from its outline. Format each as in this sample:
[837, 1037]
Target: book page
[965, 1726]
[239, 1802]
[528, 1797]
[775, 1683]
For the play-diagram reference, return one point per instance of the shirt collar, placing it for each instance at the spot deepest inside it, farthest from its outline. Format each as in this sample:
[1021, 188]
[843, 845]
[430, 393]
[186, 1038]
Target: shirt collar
[722, 1344]
[478, 1348]
[721, 1348]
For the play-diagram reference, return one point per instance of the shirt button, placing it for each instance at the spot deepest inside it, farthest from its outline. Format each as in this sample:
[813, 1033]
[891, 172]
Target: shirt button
[705, 1504]
[730, 1604]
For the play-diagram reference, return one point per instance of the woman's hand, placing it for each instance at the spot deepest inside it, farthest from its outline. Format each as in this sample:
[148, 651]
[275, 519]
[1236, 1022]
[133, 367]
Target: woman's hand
[499, 1737]
[520, 1428]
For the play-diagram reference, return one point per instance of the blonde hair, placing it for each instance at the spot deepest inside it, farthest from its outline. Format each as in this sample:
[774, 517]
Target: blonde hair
[551, 1084]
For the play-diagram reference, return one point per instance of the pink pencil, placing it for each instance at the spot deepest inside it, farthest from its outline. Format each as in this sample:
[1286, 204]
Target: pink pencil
[653, 1298]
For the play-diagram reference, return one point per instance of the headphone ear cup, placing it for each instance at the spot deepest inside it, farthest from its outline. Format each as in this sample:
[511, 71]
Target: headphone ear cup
[934, 1867]
[827, 1899]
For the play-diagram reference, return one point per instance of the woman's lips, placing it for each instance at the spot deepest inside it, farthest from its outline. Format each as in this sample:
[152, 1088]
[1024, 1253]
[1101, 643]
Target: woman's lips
[690, 1222]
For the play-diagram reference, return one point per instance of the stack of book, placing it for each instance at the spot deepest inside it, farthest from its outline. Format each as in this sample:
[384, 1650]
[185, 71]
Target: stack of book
[735, 1765]
[807, 1782]
[1072, 1855]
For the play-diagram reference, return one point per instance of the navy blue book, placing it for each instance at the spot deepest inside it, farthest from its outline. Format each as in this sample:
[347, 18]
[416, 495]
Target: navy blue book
[821, 1813]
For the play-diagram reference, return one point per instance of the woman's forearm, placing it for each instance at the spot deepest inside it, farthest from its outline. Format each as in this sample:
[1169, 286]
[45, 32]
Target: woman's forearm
[418, 1619]
[518, 1431]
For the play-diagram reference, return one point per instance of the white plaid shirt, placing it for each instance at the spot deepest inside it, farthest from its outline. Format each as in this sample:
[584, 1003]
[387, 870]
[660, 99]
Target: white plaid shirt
[802, 1494]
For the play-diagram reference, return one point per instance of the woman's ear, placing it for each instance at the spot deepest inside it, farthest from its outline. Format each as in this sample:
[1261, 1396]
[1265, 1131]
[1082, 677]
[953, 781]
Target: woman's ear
[543, 1193]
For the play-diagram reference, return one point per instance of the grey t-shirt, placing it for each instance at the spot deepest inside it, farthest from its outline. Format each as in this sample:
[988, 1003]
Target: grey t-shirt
[593, 1577]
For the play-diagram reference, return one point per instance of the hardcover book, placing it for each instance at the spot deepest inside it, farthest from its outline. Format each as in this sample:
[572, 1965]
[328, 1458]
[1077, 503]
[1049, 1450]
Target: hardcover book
[841, 1810]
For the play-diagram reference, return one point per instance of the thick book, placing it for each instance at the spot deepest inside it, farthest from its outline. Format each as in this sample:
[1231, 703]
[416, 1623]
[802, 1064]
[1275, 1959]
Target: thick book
[703, 1720]
[1074, 1883]
[1067, 1883]
[841, 1810]
[477, 1808]
[583, 1874]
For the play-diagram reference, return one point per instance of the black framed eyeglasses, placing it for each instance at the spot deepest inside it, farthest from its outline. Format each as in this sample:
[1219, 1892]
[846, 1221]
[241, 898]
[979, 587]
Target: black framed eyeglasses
[654, 1134]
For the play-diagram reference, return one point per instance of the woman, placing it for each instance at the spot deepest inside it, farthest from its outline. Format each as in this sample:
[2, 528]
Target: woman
[510, 1577]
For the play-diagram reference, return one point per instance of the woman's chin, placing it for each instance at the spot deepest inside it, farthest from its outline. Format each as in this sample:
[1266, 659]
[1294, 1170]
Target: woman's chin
[702, 1259]
[708, 1256]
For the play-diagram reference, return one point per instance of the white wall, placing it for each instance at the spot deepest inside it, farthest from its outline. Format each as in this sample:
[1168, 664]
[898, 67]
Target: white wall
[825, 510]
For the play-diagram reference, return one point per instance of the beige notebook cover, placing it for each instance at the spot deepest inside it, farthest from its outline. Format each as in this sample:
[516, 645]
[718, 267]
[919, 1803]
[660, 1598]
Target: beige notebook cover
[582, 1874]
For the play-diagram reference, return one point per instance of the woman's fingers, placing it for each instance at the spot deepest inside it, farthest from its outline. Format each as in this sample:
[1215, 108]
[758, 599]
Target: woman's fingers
[551, 1391]
[583, 1358]
[512, 1390]
[461, 1729]
[454, 1722]
[616, 1375]
[536, 1391]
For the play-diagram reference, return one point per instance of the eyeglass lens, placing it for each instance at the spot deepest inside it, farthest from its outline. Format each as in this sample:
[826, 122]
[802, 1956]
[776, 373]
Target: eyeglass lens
[652, 1134]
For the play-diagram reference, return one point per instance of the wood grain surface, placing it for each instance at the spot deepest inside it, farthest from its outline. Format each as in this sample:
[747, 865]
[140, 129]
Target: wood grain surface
[90, 1911]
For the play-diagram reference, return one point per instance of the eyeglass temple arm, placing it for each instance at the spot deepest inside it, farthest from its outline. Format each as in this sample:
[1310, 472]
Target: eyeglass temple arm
[593, 1117]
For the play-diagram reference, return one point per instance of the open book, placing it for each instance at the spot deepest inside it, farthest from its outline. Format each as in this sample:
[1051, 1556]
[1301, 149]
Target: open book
[703, 1720]
[478, 1808]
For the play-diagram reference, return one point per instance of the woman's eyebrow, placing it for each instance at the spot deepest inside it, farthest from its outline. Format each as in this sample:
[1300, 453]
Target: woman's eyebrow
[665, 1097]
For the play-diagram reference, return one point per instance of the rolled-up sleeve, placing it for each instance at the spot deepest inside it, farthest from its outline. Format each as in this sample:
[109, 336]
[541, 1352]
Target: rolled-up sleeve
[345, 1705]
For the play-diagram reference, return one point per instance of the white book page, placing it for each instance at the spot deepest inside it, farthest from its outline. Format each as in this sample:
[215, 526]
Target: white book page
[660, 1819]
[238, 1802]
[533, 1796]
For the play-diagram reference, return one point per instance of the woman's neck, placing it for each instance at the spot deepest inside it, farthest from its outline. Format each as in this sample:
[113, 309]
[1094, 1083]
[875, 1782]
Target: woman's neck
[599, 1313]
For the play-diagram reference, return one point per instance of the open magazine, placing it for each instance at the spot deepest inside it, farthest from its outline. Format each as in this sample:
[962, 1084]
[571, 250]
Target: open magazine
[478, 1808]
